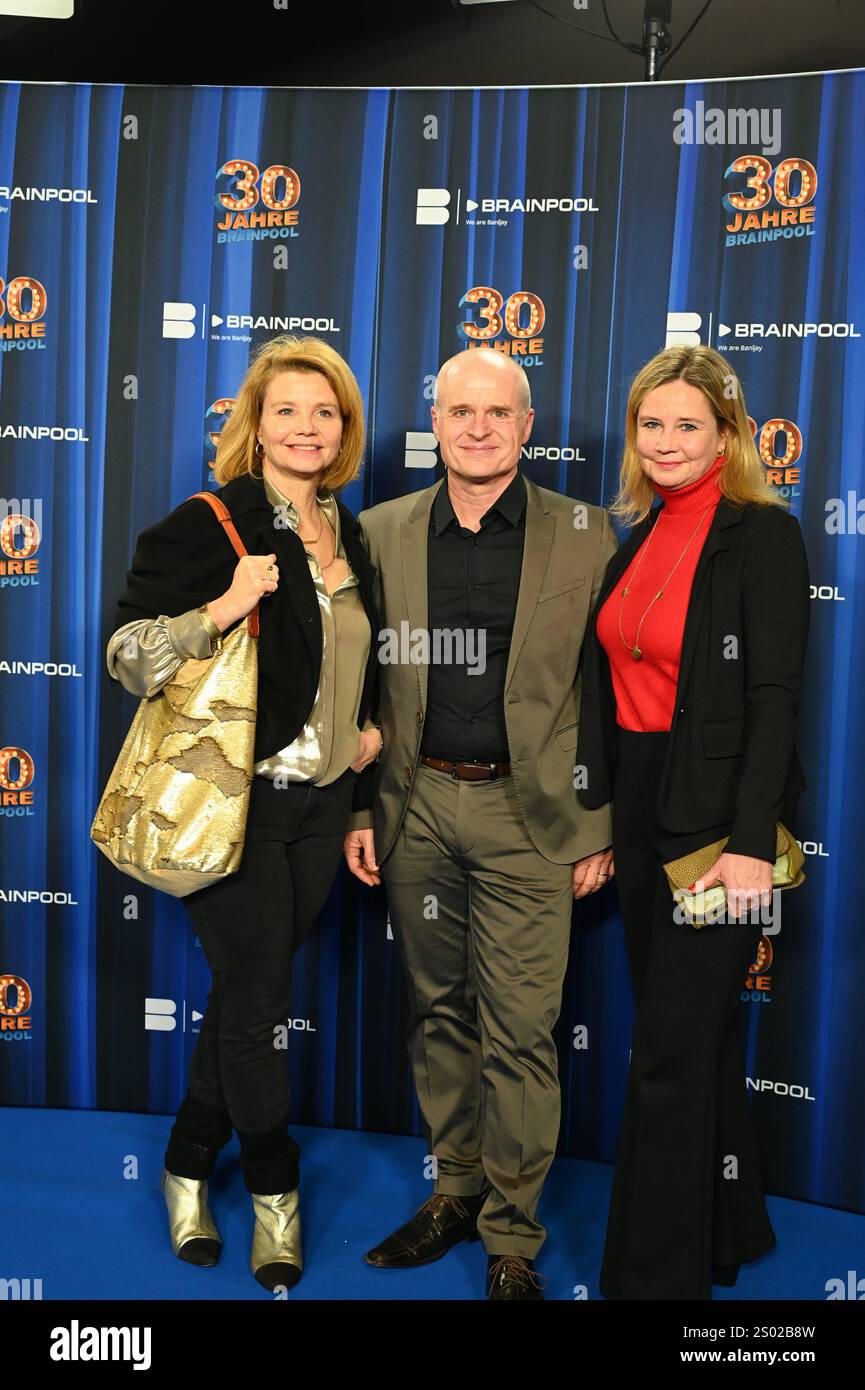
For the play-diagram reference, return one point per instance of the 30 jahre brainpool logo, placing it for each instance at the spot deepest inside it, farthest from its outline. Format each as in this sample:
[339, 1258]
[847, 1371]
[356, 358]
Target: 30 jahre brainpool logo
[214, 419]
[513, 325]
[23, 301]
[20, 538]
[256, 206]
[17, 772]
[773, 204]
[780, 445]
[16, 997]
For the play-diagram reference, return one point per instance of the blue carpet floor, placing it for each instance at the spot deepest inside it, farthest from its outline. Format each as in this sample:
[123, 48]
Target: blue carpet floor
[76, 1216]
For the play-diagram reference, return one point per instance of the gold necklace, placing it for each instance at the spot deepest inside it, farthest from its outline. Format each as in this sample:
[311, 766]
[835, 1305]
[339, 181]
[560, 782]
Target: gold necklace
[333, 556]
[314, 540]
[635, 651]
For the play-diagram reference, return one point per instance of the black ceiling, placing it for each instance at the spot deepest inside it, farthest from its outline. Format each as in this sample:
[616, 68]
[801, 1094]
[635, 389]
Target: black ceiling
[420, 42]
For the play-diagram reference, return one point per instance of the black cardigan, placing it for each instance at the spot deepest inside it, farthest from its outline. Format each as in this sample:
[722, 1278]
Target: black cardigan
[731, 765]
[186, 560]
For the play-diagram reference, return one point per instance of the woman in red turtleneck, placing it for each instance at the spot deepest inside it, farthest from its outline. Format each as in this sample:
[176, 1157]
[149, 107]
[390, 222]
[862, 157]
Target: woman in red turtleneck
[645, 687]
[691, 668]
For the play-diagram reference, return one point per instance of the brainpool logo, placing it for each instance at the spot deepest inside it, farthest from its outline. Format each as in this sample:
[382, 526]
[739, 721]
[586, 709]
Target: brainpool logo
[160, 1016]
[23, 301]
[44, 195]
[792, 187]
[521, 318]
[239, 328]
[16, 997]
[241, 187]
[552, 453]
[756, 334]
[436, 205]
[420, 449]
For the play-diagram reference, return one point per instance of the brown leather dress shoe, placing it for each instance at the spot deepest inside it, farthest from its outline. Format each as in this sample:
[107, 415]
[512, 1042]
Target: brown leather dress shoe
[513, 1276]
[442, 1221]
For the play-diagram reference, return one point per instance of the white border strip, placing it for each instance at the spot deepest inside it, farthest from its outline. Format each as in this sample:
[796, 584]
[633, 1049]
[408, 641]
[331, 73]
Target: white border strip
[473, 87]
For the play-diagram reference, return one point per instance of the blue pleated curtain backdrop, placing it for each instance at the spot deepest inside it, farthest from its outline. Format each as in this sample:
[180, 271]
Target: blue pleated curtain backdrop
[149, 239]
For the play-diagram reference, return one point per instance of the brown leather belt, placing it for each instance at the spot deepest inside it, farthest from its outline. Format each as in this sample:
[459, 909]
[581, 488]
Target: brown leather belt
[469, 772]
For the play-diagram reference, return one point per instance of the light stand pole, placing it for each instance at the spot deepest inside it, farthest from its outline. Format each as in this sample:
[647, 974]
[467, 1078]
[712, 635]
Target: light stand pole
[657, 14]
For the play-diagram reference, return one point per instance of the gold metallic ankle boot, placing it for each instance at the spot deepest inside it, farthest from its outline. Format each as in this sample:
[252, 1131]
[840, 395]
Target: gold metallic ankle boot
[194, 1236]
[276, 1256]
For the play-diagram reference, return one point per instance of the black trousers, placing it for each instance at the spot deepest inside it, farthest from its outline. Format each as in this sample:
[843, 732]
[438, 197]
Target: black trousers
[687, 1191]
[250, 925]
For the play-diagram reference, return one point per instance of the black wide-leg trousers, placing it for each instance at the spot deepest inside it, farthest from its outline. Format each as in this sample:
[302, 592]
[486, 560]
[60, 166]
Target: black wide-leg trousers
[250, 925]
[687, 1192]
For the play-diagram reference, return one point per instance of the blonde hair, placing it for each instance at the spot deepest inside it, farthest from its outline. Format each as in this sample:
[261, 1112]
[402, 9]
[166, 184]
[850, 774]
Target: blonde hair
[741, 478]
[235, 450]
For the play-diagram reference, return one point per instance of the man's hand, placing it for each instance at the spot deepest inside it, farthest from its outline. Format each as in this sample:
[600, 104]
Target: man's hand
[369, 746]
[359, 850]
[593, 872]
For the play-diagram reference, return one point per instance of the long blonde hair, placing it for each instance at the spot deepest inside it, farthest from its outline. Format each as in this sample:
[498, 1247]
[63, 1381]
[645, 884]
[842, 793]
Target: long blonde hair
[235, 450]
[741, 478]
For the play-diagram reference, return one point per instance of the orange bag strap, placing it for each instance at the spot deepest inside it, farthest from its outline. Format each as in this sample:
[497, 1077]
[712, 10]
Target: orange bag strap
[224, 516]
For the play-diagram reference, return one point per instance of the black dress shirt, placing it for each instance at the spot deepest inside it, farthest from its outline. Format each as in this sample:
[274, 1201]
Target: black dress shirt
[473, 581]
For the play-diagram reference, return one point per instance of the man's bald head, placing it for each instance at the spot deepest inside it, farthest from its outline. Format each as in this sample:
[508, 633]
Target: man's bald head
[480, 362]
[482, 417]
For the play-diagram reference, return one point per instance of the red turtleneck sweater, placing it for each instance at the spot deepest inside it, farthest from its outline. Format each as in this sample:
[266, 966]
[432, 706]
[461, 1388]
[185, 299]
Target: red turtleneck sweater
[645, 690]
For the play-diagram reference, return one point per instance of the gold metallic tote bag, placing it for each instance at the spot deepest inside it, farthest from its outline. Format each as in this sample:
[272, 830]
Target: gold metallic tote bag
[173, 814]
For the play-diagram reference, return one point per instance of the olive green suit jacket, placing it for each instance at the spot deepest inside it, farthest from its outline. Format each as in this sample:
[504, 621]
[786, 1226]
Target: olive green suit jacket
[566, 550]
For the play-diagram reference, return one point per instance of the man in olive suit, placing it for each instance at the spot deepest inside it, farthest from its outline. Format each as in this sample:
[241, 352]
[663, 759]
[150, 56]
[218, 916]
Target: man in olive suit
[485, 584]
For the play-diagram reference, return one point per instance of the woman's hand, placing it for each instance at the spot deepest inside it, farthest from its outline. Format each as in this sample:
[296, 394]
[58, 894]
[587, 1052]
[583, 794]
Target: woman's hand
[747, 881]
[369, 746]
[251, 581]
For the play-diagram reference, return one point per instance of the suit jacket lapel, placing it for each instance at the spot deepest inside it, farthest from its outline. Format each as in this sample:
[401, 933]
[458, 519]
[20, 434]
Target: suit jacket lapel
[620, 560]
[540, 529]
[719, 538]
[414, 547]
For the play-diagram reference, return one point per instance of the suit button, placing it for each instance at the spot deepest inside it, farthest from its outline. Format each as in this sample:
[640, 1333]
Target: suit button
[681, 709]
[420, 716]
[408, 773]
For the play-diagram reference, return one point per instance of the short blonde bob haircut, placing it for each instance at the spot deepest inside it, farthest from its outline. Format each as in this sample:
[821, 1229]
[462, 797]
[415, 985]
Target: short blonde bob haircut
[235, 451]
[742, 478]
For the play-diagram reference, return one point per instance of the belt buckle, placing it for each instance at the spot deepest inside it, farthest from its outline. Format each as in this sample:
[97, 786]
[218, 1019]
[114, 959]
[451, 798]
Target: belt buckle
[474, 762]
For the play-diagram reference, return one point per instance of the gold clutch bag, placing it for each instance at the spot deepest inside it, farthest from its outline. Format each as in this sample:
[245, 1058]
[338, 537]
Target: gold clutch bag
[173, 813]
[707, 905]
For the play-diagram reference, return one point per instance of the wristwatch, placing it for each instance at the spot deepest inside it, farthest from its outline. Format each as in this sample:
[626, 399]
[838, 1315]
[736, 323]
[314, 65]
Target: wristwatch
[211, 629]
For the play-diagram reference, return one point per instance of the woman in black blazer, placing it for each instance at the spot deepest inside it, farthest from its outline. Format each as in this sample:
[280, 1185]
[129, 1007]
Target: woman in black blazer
[295, 435]
[691, 667]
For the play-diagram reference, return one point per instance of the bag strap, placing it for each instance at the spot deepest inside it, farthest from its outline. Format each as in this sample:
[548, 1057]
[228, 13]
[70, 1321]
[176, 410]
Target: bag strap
[224, 516]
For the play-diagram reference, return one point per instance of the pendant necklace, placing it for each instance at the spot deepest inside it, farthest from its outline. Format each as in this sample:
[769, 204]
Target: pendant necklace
[635, 650]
